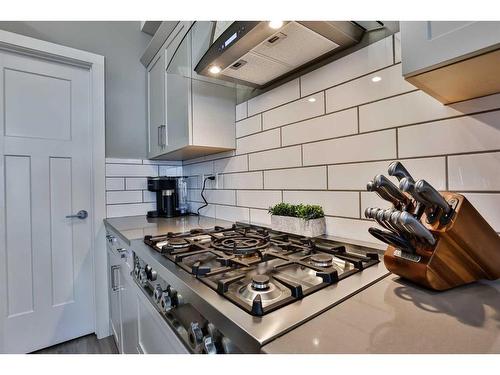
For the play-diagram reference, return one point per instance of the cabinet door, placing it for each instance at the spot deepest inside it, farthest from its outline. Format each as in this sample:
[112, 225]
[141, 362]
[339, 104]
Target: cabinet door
[156, 104]
[178, 91]
[115, 298]
[427, 45]
[128, 312]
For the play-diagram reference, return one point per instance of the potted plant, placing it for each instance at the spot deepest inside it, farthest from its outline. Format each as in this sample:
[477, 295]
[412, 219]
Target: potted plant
[301, 219]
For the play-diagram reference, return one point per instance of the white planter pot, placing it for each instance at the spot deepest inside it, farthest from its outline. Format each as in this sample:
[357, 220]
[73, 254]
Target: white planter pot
[308, 228]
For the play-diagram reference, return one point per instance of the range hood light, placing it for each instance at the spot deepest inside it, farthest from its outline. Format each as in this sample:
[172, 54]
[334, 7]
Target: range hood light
[214, 69]
[311, 100]
[275, 24]
[376, 79]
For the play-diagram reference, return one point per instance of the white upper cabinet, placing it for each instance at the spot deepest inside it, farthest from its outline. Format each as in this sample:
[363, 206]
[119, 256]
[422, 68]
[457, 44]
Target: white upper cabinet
[188, 115]
[452, 60]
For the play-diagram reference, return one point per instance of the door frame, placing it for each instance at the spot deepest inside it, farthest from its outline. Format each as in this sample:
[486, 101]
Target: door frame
[24, 45]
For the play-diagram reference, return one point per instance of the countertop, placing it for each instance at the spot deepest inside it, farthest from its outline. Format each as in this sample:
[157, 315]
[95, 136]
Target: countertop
[395, 316]
[136, 227]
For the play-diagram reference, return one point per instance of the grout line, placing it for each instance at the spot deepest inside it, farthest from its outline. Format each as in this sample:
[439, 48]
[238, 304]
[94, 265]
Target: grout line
[357, 118]
[360, 206]
[446, 172]
[397, 143]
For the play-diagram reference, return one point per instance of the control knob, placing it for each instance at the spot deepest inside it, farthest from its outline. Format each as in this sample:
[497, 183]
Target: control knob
[165, 302]
[195, 334]
[157, 293]
[143, 278]
[208, 345]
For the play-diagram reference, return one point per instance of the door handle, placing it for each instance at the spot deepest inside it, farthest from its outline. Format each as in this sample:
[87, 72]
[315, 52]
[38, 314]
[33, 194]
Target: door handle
[114, 286]
[82, 214]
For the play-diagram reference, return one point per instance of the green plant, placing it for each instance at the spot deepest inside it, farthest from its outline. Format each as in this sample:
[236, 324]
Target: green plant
[303, 211]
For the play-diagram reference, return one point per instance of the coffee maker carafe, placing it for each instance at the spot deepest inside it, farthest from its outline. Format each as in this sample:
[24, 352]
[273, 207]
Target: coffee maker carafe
[171, 196]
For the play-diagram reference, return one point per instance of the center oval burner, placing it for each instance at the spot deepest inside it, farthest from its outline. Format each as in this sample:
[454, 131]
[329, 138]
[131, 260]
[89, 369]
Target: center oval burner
[240, 245]
[321, 260]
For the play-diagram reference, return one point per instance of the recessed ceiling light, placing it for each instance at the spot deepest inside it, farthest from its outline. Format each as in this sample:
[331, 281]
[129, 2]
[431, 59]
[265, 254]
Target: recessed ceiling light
[214, 69]
[275, 24]
[312, 100]
[376, 79]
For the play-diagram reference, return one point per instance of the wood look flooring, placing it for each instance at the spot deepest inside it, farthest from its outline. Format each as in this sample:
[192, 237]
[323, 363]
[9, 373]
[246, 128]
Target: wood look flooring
[83, 345]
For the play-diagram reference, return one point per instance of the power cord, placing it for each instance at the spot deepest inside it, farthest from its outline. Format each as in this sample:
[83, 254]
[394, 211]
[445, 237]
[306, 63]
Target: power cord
[203, 196]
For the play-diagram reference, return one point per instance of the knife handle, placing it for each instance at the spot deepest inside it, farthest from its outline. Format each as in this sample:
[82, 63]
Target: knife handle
[416, 226]
[370, 186]
[424, 189]
[384, 184]
[398, 170]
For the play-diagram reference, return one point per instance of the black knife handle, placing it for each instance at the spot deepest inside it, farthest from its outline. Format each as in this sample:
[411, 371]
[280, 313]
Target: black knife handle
[398, 170]
[424, 189]
[383, 183]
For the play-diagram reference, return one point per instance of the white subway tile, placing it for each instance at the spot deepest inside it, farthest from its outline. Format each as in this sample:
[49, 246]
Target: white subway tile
[213, 196]
[123, 161]
[231, 213]
[258, 198]
[258, 142]
[397, 47]
[248, 180]
[117, 197]
[232, 164]
[148, 196]
[371, 199]
[286, 157]
[474, 172]
[260, 217]
[193, 182]
[275, 97]
[249, 126]
[298, 110]
[372, 146]
[351, 229]
[136, 183]
[119, 210]
[364, 90]
[488, 206]
[330, 126]
[115, 184]
[241, 111]
[416, 107]
[171, 171]
[312, 178]
[373, 57]
[205, 211]
[356, 176]
[130, 170]
[464, 134]
[198, 169]
[335, 203]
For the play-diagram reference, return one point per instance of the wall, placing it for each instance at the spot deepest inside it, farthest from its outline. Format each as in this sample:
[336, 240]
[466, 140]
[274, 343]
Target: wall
[126, 184]
[321, 137]
[122, 43]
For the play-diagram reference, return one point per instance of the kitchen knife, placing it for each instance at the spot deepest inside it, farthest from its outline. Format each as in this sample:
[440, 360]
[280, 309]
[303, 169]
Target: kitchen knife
[416, 227]
[382, 183]
[399, 229]
[397, 170]
[394, 220]
[392, 239]
[370, 186]
[408, 186]
[425, 190]
[374, 215]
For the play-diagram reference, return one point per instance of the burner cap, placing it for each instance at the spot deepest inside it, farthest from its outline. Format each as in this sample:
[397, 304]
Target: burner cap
[240, 245]
[321, 260]
[260, 282]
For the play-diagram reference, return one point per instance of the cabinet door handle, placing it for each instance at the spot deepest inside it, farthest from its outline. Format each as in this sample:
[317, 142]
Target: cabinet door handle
[159, 135]
[114, 286]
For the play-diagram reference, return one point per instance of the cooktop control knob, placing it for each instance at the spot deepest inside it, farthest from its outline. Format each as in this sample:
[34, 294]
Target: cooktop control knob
[137, 271]
[153, 275]
[143, 278]
[195, 334]
[208, 345]
[157, 293]
[165, 302]
[175, 297]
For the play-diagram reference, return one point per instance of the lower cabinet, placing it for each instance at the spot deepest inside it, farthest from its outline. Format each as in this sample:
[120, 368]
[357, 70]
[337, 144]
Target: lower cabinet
[128, 314]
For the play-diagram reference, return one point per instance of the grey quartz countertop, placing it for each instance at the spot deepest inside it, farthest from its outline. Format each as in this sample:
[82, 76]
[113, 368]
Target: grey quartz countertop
[136, 227]
[394, 316]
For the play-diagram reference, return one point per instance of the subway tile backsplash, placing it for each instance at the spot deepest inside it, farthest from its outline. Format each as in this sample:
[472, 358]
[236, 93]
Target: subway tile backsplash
[294, 150]
[325, 151]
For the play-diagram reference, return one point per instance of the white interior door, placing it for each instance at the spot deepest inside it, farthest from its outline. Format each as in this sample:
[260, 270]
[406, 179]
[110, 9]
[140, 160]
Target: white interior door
[46, 281]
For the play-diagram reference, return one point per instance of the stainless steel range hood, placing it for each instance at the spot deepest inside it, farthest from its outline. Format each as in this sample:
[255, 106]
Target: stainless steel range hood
[254, 53]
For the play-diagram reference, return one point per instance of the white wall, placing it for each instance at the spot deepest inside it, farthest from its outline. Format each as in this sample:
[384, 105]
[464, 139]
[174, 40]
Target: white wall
[122, 43]
[325, 150]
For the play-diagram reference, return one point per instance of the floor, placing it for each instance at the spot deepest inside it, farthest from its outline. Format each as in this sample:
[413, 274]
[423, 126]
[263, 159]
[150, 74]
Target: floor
[83, 345]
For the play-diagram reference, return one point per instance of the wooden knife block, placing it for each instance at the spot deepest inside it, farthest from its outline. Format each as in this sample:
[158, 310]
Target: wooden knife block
[467, 250]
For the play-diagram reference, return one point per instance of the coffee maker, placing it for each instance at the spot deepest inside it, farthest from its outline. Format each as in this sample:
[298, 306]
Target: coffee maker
[171, 196]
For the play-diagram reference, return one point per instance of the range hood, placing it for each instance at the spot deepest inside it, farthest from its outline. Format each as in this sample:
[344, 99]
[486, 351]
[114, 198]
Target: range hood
[255, 53]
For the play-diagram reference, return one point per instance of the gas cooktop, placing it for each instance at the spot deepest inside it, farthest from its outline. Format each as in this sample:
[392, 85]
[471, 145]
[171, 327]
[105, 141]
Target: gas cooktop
[258, 269]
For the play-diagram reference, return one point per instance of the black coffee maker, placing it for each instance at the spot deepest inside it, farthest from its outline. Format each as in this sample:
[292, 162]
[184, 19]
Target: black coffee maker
[171, 196]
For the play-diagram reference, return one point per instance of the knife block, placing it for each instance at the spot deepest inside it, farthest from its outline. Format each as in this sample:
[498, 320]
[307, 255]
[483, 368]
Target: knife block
[467, 249]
